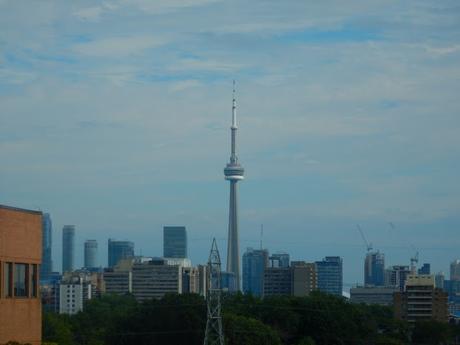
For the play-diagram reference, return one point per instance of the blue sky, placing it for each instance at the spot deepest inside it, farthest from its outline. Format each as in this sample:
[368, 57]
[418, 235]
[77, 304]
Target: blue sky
[115, 117]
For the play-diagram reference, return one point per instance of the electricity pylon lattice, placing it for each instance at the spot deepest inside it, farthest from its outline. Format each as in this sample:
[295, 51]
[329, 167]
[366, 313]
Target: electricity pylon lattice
[214, 334]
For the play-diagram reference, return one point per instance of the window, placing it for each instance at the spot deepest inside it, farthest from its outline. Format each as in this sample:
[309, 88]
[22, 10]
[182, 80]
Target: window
[8, 279]
[20, 280]
[34, 280]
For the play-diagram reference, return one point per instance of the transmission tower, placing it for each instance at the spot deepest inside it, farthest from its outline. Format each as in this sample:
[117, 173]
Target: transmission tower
[214, 334]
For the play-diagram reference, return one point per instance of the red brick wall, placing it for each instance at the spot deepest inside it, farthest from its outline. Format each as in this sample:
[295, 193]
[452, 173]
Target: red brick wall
[21, 242]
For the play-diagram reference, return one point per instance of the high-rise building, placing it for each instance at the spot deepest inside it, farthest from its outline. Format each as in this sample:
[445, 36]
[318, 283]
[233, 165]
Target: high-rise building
[47, 264]
[279, 259]
[20, 256]
[194, 280]
[330, 275]
[74, 290]
[254, 264]
[233, 172]
[118, 250]
[421, 300]
[439, 280]
[396, 276]
[374, 269]
[425, 269]
[299, 279]
[174, 242]
[68, 248]
[303, 278]
[455, 270]
[277, 281]
[91, 254]
[228, 282]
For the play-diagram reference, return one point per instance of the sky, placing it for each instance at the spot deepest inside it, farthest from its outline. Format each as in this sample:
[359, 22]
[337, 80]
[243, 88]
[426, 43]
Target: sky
[115, 116]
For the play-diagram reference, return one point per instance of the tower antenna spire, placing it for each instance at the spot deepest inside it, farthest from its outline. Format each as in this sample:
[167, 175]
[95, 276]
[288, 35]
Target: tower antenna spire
[234, 126]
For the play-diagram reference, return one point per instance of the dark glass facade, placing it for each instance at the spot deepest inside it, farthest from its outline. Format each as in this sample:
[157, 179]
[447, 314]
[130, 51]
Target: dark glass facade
[174, 242]
[119, 250]
[330, 275]
[374, 269]
[254, 264]
[68, 248]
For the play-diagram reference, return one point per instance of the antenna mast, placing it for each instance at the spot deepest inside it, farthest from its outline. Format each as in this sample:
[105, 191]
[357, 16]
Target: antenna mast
[214, 334]
[261, 235]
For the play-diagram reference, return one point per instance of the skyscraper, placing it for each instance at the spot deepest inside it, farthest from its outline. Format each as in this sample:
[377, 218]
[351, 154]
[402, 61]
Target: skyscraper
[374, 269]
[425, 269]
[119, 250]
[47, 264]
[455, 270]
[68, 248]
[396, 276]
[330, 275]
[279, 259]
[90, 254]
[254, 264]
[233, 172]
[174, 242]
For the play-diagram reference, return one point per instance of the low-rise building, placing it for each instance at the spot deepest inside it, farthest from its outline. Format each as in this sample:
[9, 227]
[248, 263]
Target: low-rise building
[381, 295]
[155, 278]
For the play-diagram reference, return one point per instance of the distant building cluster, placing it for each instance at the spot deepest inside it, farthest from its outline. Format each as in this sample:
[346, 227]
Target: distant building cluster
[143, 277]
[263, 275]
[415, 293]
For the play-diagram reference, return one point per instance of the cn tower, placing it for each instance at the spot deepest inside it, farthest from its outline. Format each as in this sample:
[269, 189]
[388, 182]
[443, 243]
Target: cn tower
[233, 172]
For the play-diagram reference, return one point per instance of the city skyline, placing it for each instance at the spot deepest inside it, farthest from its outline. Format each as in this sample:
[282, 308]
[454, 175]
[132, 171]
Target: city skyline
[115, 118]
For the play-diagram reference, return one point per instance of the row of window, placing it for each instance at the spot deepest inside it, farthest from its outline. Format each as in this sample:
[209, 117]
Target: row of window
[19, 280]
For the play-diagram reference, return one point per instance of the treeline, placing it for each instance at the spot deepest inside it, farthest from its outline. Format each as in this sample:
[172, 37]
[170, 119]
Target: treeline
[319, 319]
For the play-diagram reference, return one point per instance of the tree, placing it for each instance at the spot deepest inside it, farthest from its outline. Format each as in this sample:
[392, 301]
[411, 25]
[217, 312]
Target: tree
[245, 330]
[57, 329]
[432, 332]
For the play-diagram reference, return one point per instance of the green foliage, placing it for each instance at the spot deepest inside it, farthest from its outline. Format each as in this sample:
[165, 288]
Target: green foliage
[57, 329]
[306, 341]
[318, 319]
[248, 331]
[432, 332]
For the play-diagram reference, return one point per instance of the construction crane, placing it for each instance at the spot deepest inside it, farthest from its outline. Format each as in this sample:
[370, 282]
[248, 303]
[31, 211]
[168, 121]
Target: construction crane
[413, 263]
[368, 245]
[413, 259]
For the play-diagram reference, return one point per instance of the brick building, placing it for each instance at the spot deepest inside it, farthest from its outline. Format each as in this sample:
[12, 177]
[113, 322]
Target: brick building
[20, 259]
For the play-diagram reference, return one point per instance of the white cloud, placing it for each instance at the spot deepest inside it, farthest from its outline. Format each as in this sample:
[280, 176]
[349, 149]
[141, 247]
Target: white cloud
[10, 76]
[118, 46]
[204, 65]
[165, 6]
[184, 84]
[89, 13]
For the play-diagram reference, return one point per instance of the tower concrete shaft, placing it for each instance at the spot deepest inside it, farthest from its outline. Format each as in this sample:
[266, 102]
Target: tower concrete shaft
[234, 172]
